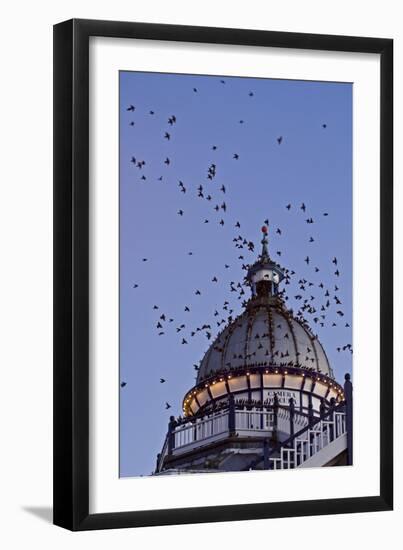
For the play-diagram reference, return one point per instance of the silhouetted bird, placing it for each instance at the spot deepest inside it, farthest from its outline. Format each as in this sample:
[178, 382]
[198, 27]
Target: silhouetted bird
[131, 108]
[279, 140]
[167, 405]
[236, 156]
[162, 380]
[123, 384]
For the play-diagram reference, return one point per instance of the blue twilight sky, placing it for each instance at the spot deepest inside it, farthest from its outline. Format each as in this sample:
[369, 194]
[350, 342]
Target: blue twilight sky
[311, 165]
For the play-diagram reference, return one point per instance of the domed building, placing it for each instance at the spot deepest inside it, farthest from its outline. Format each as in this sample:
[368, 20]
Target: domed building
[265, 394]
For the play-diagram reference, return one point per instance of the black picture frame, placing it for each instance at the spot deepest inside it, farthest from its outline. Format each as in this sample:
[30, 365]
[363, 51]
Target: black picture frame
[71, 274]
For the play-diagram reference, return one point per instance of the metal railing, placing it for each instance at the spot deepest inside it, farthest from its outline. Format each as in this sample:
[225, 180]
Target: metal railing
[162, 455]
[285, 416]
[235, 420]
[253, 420]
[201, 429]
[310, 441]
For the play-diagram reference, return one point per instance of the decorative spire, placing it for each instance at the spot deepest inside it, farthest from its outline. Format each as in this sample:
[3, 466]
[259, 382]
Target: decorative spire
[265, 242]
[265, 275]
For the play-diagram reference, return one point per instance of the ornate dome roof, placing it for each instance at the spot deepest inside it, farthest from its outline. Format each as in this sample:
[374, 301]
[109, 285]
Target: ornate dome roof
[266, 333]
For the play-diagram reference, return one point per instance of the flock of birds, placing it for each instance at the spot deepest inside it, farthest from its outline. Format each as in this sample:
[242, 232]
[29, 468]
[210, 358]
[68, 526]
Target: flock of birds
[317, 302]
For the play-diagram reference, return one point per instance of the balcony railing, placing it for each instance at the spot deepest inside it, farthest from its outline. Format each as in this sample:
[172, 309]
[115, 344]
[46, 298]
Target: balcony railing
[202, 430]
[234, 419]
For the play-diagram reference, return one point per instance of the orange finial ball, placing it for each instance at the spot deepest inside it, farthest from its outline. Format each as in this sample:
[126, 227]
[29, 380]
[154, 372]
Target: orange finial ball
[265, 229]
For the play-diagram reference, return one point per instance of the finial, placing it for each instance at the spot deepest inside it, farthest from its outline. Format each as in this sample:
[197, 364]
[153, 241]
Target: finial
[264, 275]
[265, 242]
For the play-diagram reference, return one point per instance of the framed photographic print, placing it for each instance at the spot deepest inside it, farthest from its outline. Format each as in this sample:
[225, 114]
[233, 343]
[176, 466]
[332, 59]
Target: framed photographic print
[223, 274]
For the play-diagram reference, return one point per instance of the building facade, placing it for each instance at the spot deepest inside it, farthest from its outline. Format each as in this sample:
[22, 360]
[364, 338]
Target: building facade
[265, 395]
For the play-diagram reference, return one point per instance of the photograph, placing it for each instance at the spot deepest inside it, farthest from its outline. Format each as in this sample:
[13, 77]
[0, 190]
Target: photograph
[235, 274]
[200, 275]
